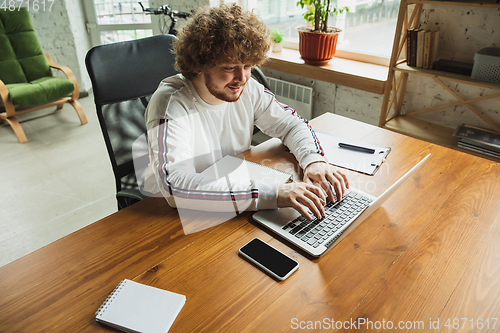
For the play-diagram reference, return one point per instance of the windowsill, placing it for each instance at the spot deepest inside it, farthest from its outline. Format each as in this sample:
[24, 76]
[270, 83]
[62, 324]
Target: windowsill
[344, 72]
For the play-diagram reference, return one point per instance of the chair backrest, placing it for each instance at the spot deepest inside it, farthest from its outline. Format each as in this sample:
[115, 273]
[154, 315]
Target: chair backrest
[124, 76]
[260, 77]
[21, 56]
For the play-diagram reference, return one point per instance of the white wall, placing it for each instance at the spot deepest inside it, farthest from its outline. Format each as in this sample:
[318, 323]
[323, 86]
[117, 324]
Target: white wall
[62, 34]
[329, 97]
[80, 36]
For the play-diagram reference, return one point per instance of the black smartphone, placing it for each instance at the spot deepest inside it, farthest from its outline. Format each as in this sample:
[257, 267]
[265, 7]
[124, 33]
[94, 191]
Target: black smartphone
[269, 259]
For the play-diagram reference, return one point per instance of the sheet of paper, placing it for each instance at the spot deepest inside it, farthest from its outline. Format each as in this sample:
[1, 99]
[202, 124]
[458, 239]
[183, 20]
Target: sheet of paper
[351, 159]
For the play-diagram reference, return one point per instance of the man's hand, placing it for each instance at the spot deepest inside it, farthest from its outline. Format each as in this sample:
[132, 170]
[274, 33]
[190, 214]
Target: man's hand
[301, 196]
[326, 176]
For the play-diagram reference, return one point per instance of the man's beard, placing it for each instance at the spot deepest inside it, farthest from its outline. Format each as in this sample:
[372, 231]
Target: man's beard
[220, 94]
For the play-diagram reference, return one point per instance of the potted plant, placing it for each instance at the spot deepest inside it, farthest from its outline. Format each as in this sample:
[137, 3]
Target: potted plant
[277, 40]
[318, 42]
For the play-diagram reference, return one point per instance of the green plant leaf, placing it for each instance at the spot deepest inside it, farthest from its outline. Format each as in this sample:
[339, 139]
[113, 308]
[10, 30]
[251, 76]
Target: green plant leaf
[277, 35]
[320, 10]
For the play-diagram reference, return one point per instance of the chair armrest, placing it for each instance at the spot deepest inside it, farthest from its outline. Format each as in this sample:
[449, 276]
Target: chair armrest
[69, 74]
[133, 193]
[4, 93]
[129, 196]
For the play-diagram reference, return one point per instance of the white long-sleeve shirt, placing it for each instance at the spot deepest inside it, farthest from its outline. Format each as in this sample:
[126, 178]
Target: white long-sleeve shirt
[186, 135]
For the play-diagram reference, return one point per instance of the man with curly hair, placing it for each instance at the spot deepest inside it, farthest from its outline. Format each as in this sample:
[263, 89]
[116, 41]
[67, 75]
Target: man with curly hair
[209, 111]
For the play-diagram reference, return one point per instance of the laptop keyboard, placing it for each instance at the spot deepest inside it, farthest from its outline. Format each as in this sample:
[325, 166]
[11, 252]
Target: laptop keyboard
[337, 215]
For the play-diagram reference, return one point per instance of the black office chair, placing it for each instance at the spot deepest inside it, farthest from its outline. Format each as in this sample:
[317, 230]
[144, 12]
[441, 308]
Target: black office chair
[124, 76]
[260, 77]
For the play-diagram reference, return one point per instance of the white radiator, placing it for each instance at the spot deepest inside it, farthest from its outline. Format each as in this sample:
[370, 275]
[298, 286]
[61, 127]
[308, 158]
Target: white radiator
[294, 95]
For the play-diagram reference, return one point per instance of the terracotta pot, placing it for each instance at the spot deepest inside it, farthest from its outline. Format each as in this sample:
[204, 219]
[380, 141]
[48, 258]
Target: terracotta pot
[317, 48]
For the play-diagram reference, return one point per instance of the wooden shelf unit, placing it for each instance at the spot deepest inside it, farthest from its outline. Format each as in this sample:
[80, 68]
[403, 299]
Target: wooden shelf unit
[398, 77]
[452, 76]
[430, 132]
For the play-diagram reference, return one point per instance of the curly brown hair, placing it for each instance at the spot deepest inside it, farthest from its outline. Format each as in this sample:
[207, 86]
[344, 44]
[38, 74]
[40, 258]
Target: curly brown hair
[224, 34]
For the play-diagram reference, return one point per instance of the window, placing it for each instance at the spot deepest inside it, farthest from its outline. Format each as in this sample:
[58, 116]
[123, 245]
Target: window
[111, 21]
[368, 28]
[120, 12]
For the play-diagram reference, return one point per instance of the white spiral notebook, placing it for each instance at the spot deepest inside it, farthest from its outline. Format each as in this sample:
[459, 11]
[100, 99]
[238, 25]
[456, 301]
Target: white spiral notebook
[135, 307]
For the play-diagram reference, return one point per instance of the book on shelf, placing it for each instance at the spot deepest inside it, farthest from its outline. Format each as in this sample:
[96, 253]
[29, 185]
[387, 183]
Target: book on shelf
[433, 48]
[478, 139]
[477, 134]
[451, 66]
[478, 149]
[411, 46]
[430, 48]
[414, 44]
[408, 47]
[427, 48]
[420, 48]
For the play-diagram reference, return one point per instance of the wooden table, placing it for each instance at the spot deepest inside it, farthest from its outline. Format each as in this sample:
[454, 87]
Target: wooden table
[431, 252]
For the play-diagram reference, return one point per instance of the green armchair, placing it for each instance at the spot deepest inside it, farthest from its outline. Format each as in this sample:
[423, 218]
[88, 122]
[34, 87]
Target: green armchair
[26, 80]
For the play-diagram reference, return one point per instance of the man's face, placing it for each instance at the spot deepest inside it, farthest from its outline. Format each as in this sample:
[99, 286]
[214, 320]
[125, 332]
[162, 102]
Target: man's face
[227, 81]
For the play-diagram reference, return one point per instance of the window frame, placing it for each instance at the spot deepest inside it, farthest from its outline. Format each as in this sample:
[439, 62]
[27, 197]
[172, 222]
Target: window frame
[94, 28]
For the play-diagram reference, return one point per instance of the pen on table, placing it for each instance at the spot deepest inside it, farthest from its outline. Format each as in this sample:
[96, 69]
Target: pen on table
[357, 148]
